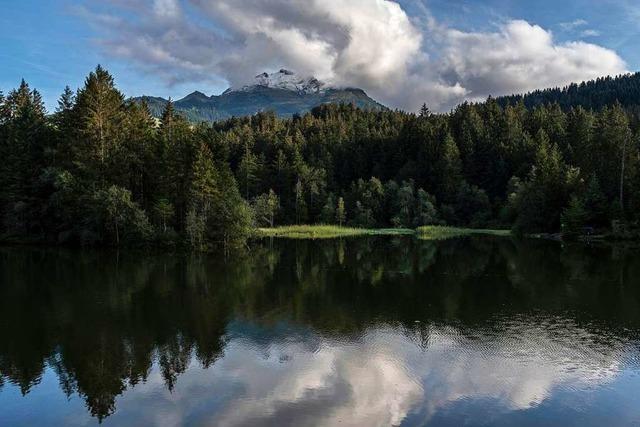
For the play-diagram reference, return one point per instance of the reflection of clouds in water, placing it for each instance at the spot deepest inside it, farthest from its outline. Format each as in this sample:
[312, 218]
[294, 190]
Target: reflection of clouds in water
[377, 380]
[360, 384]
[520, 368]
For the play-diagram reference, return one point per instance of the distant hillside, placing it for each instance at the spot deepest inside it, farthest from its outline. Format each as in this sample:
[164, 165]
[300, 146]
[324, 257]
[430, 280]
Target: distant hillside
[594, 94]
[283, 92]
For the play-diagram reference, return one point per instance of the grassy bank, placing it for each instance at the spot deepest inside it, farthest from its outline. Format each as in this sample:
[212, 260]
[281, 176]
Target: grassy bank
[434, 232]
[326, 232]
[334, 231]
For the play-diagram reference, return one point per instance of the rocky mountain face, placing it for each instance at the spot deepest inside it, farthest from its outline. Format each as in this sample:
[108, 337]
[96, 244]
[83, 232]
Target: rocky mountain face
[283, 92]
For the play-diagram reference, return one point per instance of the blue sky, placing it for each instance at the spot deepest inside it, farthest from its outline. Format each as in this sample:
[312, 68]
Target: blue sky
[616, 21]
[52, 43]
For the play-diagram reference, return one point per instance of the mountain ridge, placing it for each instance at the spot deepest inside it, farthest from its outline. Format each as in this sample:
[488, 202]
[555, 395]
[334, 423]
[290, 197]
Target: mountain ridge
[284, 92]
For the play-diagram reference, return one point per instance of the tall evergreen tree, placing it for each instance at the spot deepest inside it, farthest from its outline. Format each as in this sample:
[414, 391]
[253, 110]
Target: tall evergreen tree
[100, 112]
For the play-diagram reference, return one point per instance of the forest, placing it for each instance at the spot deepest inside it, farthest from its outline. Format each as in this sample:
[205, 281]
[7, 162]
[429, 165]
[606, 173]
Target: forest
[102, 171]
[594, 94]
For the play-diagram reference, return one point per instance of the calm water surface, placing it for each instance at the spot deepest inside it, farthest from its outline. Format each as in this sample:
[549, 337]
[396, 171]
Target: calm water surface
[361, 332]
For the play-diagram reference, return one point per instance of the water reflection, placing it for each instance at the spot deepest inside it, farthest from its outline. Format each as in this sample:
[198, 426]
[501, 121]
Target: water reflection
[480, 331]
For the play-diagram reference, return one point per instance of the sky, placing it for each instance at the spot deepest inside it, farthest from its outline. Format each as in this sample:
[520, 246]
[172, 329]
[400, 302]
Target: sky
[403, 53]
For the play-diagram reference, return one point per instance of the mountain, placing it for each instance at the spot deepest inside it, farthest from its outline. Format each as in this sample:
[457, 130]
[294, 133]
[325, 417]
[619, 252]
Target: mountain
[594, 94]
[283, 92]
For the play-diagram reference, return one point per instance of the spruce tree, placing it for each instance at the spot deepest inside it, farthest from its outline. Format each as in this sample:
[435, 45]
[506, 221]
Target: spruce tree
[99, 112]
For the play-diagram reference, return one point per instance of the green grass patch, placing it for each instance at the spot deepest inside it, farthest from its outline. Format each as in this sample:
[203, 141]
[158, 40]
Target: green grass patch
[333, 231]
[435, 232]
[326, 232]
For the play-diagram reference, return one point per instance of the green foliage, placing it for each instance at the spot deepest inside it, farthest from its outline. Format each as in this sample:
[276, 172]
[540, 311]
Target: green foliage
[301, 206]
[165, 212]
[368, 199]
[233, 222]
[265, 209]
[99, 116]
[248, 171]
[546, 193]
[594, 94]
[574, 218]
[595, 204]
[93, 171]
[404, 205]
[341, 214]
[120, 218]
[218, 215]
[328, 214]
[472, 206]
[425, 211]
[195, 229]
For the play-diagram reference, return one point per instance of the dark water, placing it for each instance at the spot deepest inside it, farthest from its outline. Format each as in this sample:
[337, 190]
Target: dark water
[364, 332]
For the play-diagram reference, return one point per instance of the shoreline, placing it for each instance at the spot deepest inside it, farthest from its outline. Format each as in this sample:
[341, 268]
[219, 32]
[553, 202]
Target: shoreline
[323, 232]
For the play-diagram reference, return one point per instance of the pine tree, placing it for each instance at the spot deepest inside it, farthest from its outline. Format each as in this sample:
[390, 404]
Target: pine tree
[204, 186]
[247, 171]
[23, 147]
[171, 162]
[67, 100]
[168, 114]
[424, 111]
[546, 192]
[100, 112]
[450, 166]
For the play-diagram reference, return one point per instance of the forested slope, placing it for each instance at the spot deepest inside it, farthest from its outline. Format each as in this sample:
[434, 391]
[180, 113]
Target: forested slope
[101, 170]
[594, 94]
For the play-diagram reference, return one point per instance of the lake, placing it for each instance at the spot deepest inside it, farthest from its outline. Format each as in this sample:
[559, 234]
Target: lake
[479, 331]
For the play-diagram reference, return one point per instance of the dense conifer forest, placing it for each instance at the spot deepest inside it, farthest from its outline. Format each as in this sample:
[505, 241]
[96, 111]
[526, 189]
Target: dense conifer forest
[594, 94]
[100, 170]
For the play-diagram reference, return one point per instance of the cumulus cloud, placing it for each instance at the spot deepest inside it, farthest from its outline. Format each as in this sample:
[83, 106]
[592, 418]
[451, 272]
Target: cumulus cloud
[521, 57]
[372, 44]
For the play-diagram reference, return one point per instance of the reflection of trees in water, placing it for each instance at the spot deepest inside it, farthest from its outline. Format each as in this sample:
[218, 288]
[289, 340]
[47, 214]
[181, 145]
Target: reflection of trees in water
[101, 321]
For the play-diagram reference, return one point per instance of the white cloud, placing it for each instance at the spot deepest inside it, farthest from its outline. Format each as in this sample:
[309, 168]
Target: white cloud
[521, 57]
[372, 44]
[570, 26]
[166, 9]
[590, 33]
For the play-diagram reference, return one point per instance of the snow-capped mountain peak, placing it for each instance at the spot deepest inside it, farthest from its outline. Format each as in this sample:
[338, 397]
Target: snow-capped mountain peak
[285, 80]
